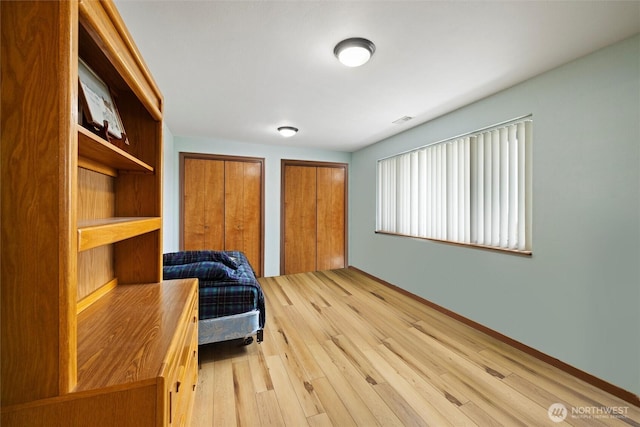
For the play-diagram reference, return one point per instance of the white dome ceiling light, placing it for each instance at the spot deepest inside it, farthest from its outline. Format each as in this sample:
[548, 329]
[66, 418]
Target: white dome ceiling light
[287, 131]
[354, 52]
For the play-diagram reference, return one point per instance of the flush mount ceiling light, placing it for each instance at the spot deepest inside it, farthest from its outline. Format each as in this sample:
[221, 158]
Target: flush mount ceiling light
[354, 52]
[287, 131]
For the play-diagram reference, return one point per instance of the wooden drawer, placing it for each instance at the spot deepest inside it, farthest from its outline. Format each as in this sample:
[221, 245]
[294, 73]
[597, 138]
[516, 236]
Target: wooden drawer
[183, 375]
[136, 344]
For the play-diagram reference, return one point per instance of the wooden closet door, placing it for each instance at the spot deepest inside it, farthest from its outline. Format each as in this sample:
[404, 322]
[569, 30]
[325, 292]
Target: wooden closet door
[243, 207]
[331, 218]
[203, 204]
[314, 216]
[299, 219]
[222, 205]
[192, 204]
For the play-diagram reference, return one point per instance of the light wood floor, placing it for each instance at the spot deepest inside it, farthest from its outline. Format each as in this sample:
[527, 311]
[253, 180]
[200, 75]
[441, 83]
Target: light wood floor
[341, 349]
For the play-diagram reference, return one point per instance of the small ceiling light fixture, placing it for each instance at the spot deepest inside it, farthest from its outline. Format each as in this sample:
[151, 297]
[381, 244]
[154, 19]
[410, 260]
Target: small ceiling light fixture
[287, 131]
[354, 52]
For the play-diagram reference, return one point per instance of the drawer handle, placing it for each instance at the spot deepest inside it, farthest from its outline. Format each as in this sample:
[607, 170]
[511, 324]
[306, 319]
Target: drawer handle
[170, 407]
[180, 375]
[195, 319]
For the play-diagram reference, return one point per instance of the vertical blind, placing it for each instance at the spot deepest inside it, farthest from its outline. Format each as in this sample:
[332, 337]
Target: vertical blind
[473, 189]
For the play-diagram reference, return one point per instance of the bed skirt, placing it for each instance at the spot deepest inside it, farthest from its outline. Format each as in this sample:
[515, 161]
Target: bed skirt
[236, 326]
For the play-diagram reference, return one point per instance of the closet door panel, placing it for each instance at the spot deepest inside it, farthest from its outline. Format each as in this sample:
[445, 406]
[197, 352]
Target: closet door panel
[243, 195]
[203, 198]
[233, 212]
[331, 217]
[299, 219]
[222, 205]
[252, 208]
[193, 199]
[214, 212]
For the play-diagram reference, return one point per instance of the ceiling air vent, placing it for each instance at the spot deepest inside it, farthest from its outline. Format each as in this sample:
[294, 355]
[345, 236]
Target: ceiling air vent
[401, 120]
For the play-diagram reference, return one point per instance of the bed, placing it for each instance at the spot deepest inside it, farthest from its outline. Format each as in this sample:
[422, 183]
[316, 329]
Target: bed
[231, 301]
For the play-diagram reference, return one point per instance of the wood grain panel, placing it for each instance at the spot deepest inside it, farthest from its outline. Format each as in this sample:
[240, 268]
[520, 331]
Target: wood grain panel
[151, 330]
[252, 241]
[96, 196]
[299, 219]
[95, 268]
[203, 204]
[331, 218]
[53, 206]
[142, 130]
[105, 408]
[234, 214]
[323, 200]
[98, 232]
[101, 291]
[38, 204]
[214, 204]
[94, 148]
[137, 260]
[137, 195]
[130, 359]
[96, 199]
[222, 205]
[243, 210]
[193, 217]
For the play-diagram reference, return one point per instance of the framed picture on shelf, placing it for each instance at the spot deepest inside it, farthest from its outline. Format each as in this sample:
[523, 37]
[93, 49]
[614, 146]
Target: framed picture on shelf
[98, 107]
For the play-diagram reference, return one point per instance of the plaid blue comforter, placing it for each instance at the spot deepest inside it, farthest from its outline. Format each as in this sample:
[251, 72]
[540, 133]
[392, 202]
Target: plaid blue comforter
[227, 281]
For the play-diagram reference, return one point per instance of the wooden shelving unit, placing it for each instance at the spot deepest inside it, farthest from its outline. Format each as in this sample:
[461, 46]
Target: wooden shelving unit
[92, 149]
[99, 232]
[91, 335]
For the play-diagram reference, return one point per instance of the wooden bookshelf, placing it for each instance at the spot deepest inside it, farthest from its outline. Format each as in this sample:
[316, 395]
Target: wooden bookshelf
[95, 150]
[98, 232]
[90, 333]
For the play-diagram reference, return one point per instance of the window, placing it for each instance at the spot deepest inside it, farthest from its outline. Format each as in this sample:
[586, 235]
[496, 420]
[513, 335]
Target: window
[474, 189]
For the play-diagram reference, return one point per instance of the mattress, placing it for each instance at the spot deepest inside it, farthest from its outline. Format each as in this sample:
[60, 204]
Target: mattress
[227, 282]
[218, 299]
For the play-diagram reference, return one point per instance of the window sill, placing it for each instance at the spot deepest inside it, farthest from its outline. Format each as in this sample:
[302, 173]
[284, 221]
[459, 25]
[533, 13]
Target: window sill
[466, 245]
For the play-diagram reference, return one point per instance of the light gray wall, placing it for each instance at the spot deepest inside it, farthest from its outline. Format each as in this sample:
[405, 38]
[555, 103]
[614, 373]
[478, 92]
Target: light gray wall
[272, 155]
[170, 202]
[578, 297]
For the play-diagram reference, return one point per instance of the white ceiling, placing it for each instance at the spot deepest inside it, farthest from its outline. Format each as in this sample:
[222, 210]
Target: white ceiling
[236, 70]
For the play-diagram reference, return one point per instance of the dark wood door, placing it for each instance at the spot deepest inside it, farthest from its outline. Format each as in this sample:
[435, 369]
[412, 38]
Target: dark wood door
[222, 205]
[314, 212]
